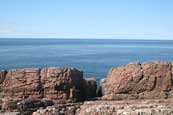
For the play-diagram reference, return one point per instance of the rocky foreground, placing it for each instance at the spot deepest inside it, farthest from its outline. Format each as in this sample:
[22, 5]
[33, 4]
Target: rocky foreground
[133, 89]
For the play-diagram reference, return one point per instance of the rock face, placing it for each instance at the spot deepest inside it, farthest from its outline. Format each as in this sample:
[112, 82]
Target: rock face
[139, 81]
[50, 83]
[21, 83]
[61, 83]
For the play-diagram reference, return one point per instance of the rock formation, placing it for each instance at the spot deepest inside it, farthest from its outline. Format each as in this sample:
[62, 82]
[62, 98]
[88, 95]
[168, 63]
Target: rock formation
[62, 83]
[21, 83]
[50, 83]
[151, 80]
[133, 89]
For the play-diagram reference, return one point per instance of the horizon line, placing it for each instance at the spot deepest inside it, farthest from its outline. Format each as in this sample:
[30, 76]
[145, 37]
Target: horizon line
[81, 38]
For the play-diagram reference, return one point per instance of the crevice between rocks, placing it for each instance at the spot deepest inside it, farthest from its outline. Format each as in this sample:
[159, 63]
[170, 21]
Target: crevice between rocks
[171, 75]
[40, 86]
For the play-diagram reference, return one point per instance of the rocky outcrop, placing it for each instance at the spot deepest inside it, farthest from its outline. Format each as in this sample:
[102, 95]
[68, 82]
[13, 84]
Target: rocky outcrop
[149, 80]
[50, 83]
[133, 89]
[21, 83]
[62, 83]
[31, 88]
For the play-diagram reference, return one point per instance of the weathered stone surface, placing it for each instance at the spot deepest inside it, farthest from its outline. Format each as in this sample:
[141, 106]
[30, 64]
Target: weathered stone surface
[90, 87]
[136, 80]
[21, 83]
[62, 83]
[130, 107]
[60, 109]
[9, 104]
[51, 83]
[31, 104]
[48, 111]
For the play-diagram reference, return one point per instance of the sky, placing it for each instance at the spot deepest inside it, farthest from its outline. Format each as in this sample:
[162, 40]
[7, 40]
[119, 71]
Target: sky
[114, 19]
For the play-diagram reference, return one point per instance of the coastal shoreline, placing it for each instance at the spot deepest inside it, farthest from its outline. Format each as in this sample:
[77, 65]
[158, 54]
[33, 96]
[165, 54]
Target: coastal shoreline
[131, 89]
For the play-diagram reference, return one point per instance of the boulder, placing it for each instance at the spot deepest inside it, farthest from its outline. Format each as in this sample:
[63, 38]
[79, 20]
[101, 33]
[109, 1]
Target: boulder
[90, 87]
[139, 81]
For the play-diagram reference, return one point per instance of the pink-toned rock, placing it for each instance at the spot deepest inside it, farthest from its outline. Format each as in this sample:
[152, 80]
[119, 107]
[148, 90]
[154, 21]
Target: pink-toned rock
[51, 83]
[61, 83]
[126, 107]
[124, 78]
[22, 83]
[159, 79]
[135, 80]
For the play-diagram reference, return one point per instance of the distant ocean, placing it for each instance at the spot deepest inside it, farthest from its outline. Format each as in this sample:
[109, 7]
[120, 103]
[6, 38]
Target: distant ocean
[94, 56]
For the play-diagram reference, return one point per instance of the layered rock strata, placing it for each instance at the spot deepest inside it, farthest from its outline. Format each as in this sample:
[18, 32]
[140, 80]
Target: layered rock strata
[50, 83]
[150, 80]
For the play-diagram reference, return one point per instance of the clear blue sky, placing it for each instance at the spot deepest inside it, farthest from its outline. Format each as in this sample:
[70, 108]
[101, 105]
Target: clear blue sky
[121, 19]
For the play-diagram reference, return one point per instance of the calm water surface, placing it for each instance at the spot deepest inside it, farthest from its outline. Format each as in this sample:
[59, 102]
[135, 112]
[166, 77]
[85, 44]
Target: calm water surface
[94, 57]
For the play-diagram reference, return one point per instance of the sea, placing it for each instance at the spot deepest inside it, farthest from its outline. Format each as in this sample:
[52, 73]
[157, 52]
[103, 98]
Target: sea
[93, 56]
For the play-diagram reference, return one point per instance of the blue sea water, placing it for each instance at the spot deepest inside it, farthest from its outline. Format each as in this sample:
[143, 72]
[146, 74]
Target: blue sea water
[94, 56]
